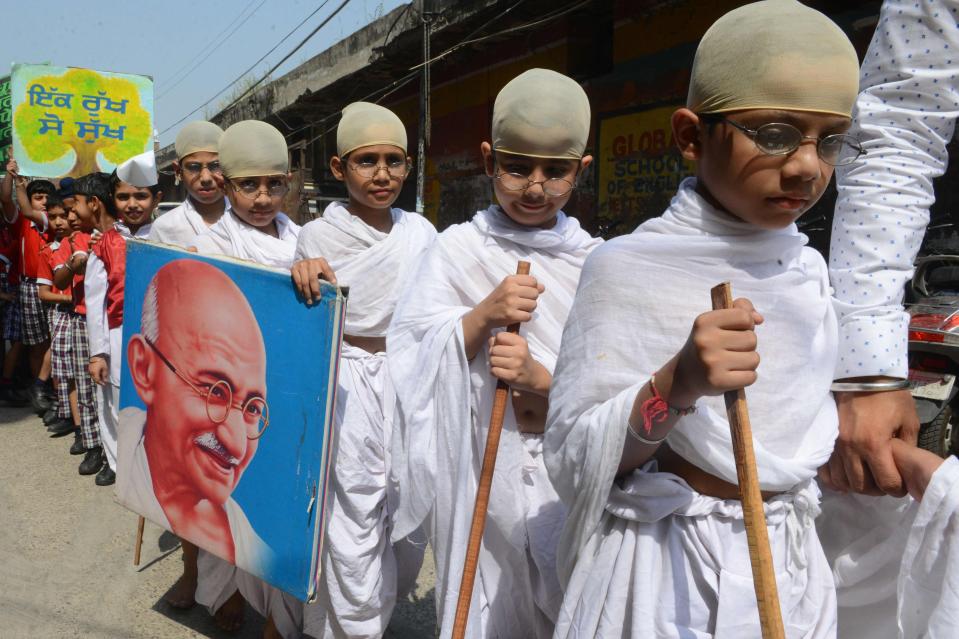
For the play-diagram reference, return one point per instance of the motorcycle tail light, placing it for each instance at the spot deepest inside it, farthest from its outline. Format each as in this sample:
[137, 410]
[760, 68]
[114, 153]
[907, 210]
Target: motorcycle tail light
[938, 323]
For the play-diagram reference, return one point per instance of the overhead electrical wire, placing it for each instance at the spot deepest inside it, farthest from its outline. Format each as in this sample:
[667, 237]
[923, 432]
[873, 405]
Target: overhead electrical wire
[414, 71]
[290, 54]
[201, 57]
[257, 63]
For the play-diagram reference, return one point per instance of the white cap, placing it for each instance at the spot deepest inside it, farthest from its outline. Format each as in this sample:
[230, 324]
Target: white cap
[139, 171]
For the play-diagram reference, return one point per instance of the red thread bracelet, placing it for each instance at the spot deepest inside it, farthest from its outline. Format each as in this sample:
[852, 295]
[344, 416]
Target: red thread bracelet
[655, 410]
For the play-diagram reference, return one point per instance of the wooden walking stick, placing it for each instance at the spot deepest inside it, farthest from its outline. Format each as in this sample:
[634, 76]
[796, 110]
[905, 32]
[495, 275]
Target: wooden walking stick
[139, 542]
[482, 494]
[760, 556]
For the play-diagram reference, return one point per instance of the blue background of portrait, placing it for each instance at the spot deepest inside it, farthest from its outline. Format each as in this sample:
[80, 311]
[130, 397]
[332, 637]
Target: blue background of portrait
[302, 342]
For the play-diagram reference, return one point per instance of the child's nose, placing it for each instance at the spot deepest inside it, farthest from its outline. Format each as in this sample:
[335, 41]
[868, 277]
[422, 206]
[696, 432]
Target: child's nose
[804, 162]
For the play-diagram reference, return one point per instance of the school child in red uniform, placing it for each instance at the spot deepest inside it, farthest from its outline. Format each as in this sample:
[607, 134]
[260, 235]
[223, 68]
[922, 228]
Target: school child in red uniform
[92, 193]
[58, 303]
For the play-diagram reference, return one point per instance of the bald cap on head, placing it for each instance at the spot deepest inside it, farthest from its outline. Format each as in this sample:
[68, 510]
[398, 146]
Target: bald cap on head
[543, 114]
[775, 54]
[196, 137]
[367, 124]
[252, 148]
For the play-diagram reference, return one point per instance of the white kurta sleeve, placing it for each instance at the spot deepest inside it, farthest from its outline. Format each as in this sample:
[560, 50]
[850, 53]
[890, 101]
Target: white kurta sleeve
[905, 116]
[95, 290]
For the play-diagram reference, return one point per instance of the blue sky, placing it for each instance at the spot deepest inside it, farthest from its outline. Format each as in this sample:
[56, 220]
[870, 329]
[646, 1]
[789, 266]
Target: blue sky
[164, 39]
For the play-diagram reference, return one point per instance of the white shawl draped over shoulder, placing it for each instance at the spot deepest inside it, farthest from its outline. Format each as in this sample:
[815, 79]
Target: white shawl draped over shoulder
[445, 400]
[232, 237]
[179, 226]
[637, 300]
[372, 263]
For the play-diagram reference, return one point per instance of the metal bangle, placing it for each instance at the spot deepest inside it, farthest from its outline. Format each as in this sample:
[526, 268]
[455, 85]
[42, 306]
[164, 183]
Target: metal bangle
[643, 440]
[869, 387]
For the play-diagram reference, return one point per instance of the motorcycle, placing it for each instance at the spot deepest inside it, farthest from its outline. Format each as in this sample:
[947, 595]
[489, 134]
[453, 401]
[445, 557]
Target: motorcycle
[934, 351]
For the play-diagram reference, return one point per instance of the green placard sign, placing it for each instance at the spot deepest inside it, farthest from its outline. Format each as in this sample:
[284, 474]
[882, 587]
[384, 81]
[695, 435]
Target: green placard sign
[6, 121]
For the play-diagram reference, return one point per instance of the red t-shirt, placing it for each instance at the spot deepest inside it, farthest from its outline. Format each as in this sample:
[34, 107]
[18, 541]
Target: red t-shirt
[112, 251]
[10, 250]
[30, 244]
[45, 269]
[81, 243]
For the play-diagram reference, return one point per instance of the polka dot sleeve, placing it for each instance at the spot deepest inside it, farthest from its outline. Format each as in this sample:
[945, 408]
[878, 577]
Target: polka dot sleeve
[905, 116]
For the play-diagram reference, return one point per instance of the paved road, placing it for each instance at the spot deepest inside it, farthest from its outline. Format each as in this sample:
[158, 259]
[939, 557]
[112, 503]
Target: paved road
[66, 555]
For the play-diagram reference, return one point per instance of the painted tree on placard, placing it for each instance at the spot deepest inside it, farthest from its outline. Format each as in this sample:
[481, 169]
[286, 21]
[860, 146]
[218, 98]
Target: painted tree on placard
[28, 121]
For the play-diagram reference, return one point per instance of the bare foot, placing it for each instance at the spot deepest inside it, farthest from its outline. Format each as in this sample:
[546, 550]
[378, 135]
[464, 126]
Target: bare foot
[915, 465]
[181, 595]
[230, 615]
[269, 630]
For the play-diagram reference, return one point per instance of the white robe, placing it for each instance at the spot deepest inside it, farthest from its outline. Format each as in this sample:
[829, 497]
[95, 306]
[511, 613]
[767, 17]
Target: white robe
[896, 561]
[218, 580]
[180, 225]
[362, 574]
[446, 402]
[644, 555]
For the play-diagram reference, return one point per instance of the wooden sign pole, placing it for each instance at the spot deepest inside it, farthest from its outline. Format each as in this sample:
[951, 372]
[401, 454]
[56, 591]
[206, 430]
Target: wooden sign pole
[139, 542]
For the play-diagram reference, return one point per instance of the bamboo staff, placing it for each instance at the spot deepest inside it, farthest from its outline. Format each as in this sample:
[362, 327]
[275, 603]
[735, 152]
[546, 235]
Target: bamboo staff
[482, 494]
[139, 542]
[760, 556]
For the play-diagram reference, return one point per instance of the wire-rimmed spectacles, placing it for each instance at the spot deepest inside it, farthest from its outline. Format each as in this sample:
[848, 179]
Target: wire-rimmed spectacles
[779, 138]
[219, 400]
[252, 189]
[195, 168]
[553, 187]
[368, 170]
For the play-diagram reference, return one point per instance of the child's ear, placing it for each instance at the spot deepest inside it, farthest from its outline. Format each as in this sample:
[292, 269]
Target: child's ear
[338, 167]
[585, 162]
[489, 164]
[686, 133]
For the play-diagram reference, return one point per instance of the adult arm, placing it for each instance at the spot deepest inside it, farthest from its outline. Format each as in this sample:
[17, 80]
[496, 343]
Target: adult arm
[905, 116]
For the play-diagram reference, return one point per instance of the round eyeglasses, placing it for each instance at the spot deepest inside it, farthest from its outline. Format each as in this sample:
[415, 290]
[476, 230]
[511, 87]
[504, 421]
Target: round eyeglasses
[778, 138]
[368, 170]
[553, 187]
[195, 168]
[251, 189]
[219, 400]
